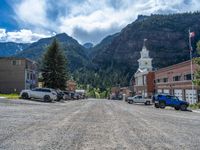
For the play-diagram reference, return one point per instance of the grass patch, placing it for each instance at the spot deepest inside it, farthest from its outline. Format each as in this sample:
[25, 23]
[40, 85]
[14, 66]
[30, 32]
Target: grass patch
[10, 96]
[195, 106]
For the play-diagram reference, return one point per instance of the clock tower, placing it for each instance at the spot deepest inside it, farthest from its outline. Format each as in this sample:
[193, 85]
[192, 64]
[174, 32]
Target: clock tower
[145, 62]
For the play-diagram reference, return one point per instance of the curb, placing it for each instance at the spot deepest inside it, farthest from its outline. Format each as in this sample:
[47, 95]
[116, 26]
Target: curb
[196, 111]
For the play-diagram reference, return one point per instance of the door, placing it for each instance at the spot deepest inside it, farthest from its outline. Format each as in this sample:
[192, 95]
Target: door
[137, 99]
[189, 94]
[140, 99]
[174, 101]
[178, 93]
[33, 93]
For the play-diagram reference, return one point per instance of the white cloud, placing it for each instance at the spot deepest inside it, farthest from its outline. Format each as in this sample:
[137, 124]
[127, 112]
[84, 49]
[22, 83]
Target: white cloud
[22, 36]
[90, 16]
[2, 34]
[32, 12]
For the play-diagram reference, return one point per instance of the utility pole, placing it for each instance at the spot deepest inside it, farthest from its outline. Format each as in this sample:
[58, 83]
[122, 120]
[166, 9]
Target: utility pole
[191, 65]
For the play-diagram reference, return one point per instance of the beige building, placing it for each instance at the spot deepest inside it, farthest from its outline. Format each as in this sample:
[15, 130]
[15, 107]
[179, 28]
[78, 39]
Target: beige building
[17, 74]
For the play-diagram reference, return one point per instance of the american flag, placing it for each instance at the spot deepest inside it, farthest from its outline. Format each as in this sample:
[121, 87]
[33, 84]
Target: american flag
[192, 34]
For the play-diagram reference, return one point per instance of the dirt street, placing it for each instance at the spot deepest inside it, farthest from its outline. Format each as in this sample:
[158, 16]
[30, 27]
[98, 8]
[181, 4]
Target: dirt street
[95, 124]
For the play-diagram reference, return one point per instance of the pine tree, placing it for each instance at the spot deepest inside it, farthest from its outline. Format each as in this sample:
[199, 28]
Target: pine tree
[197, 61]
[54, 63]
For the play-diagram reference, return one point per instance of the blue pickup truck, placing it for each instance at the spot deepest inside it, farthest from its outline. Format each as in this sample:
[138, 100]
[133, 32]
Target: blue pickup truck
[163, 100]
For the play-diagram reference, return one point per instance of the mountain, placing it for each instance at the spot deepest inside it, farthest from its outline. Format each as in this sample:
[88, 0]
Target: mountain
[167, 42]
[11, 48]
[88, 45]
[101, 47]
[74, 52]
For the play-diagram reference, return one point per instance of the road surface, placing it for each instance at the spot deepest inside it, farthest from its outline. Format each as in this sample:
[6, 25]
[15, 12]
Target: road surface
[95, 124]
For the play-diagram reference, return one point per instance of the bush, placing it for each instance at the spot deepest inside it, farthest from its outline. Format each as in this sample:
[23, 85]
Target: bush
[10, 96]
[195, 106]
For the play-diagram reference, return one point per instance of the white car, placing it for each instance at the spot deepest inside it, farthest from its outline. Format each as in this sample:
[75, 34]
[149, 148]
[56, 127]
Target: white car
[138, 99]
[46, 94]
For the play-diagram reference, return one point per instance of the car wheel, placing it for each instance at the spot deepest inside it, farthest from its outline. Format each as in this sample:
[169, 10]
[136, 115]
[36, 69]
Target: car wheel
[162, 105]
[147, 103]
[130, 102]
[183, 107]
[176, 108]
[47, 98]
[156, 105]
[25, 95]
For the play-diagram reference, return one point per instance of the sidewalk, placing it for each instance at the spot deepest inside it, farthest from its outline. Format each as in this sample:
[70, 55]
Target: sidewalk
[197, 110]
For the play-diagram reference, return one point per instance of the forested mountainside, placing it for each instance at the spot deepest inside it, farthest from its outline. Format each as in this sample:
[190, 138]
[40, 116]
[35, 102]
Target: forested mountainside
[115, 58]
[74, 52]
[11, 48]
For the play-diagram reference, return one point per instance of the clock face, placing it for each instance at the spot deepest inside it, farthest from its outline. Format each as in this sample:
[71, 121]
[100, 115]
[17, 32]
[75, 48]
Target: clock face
[145, 62]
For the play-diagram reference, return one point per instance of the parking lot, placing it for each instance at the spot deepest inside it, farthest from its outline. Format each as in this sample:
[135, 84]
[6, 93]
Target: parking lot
[95, 124]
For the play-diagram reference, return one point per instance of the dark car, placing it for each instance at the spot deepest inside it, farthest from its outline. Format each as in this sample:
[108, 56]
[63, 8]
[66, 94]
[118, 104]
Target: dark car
[60, 95]
[67, 95]
[163, 100]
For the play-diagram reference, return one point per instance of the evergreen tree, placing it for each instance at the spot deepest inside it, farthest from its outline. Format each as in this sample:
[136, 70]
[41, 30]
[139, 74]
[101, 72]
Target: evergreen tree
[197, 61]
[54, 72]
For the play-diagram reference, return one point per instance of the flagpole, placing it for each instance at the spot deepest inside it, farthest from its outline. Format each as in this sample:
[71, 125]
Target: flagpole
[191, 65]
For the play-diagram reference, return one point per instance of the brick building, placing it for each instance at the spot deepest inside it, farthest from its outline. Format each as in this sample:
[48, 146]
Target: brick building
[176, 80]
[117, 92]
[71, 85]
[17, 74]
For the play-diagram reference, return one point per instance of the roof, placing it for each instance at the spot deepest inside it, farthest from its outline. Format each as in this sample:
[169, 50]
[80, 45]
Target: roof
[17, 58]
[174, 66]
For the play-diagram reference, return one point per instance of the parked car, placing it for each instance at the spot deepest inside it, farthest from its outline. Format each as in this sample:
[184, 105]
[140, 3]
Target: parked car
[81, 94]
[60, 95]
[116, 97]
[66, 95]
[163, 100]
[138, 99]
[47, 94]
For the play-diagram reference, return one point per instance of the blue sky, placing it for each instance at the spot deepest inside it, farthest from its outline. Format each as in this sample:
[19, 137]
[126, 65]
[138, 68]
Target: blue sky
[84, 20]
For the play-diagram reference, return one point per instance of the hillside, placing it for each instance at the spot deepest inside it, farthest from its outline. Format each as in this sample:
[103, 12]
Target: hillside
[73, 50]
[11, 48]
[115, 58]
[167, 41]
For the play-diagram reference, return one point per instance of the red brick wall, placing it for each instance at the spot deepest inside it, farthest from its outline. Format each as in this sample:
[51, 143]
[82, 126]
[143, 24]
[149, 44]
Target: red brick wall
[150, 83]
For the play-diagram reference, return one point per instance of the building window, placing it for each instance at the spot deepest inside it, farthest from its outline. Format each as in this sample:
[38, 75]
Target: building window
[187, 77]
[177, 78]
[144, 80]
[158, 80]
[31, 76]
[28, 76]
[165, 79]
[16, 62]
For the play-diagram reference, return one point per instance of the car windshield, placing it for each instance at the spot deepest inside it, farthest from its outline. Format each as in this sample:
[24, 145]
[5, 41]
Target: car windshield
[35, 89]
[175, 98]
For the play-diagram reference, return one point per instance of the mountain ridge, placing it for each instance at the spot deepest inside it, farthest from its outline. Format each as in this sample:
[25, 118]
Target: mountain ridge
[72, 49]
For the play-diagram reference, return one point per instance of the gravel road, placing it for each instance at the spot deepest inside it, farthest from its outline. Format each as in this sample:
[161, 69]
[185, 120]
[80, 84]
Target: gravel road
[95, 125]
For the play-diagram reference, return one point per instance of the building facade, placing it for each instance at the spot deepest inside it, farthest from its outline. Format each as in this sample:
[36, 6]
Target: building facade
[119, 92]
[71, 85]
[177, 80]
[17, 74]
[144, 77]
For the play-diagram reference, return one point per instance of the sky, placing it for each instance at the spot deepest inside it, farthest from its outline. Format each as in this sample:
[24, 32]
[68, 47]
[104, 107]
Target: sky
[26, 21]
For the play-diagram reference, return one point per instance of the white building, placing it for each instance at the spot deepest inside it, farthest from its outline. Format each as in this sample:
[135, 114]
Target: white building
[143, 73]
